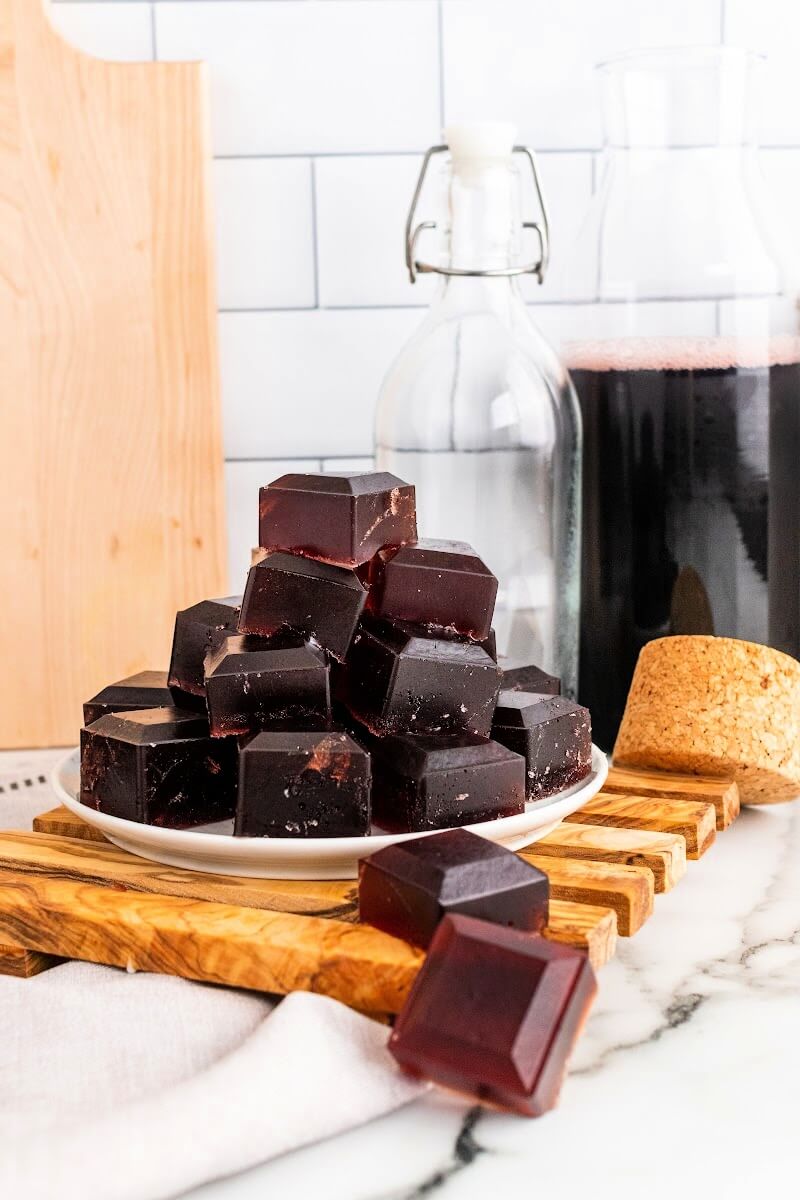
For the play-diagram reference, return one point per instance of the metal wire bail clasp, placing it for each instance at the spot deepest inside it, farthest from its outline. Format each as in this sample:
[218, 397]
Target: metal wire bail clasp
[542, 228]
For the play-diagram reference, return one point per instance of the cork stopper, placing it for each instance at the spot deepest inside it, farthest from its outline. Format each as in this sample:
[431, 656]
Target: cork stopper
[716, 706]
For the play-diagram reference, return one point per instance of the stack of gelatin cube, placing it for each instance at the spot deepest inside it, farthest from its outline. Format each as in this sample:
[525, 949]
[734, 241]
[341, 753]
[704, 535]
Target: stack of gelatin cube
[354, 683]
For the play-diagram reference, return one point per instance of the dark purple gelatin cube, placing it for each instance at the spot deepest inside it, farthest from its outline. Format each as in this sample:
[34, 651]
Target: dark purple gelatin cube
[489, 644]
[307, 783]
[495, 1013]
[397, 681]
[553, 733]
[437, 584]
[341, 519]
[158, 766]
[522, 676]
[407, 888]
[147, 689]
[314, 599]
[250, 684]
[437, 780]
[197, 630]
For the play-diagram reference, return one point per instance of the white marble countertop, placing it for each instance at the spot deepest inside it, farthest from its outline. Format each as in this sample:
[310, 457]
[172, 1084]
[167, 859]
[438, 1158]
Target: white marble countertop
[685, 1083]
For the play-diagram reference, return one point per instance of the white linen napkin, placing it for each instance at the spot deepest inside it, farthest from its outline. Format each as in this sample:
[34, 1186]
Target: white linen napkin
[117, 1086]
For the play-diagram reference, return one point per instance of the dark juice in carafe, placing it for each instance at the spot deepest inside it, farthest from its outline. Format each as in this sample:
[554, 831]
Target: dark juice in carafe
[691, 502]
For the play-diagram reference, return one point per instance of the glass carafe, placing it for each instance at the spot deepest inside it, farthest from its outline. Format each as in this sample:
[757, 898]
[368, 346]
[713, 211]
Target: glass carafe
[477, 410]
[687, 375]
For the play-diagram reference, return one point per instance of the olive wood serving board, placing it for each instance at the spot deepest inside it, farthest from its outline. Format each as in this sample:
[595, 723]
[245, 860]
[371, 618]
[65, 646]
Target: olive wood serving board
[593, 927]
[722, 793]
[66, 892]
[16, 960]
[628, 890]
[111, 459]
[664, 854]
[690, 819]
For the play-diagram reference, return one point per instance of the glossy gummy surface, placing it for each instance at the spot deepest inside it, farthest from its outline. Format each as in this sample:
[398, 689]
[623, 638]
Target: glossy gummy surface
[553, 733]
[495, 1013]
[397, 681]
[305, 783]
[435, 781]
[406, 889]
[147, 689]
[436, 584]
[158, 766]
[522, 676]
[250, 684]
[340, 519]
[197, 629]
[315, 599]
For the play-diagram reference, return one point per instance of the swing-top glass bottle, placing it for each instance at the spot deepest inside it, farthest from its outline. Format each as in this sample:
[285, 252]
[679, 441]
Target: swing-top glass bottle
[478, 411]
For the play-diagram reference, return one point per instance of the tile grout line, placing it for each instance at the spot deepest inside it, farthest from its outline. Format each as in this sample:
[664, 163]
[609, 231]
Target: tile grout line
[234, 460]
[314, 235]
[281, 154]
[154, 32]
[321, 308]
[440, 28]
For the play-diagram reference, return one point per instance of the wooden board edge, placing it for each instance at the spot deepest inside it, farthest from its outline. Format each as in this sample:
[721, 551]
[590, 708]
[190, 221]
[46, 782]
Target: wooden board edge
[21, 963]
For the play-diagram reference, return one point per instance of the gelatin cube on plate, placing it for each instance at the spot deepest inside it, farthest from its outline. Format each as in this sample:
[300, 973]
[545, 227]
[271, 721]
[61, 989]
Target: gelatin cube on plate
[341, 519]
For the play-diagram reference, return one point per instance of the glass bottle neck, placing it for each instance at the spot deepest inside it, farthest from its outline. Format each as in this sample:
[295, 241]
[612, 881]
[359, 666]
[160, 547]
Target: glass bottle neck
[483, 220]
[482, 233]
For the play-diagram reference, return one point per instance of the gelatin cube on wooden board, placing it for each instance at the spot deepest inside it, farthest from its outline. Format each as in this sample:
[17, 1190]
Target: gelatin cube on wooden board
[722, 793]
[407, 888]
[495, 1013]
[694, 821]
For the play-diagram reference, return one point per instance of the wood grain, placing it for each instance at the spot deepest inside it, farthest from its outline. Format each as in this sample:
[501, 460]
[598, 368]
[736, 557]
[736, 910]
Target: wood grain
[215, 943]
[63, 822]
[23, 964]
[722, 793]
[92, 862]
[587, 926]
[79, 861]
[628, 890]
[690, 819]
[662, 853]
[111, 455]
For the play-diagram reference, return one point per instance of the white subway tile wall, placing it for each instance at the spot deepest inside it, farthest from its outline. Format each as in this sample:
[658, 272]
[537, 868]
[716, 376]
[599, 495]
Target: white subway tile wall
[320, 112]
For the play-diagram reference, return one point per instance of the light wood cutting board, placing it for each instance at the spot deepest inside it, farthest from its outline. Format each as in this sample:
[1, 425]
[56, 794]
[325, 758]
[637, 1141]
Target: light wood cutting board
[111, 484]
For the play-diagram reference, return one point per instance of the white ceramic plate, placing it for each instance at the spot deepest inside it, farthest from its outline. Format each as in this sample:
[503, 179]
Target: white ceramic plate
[213, 848]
